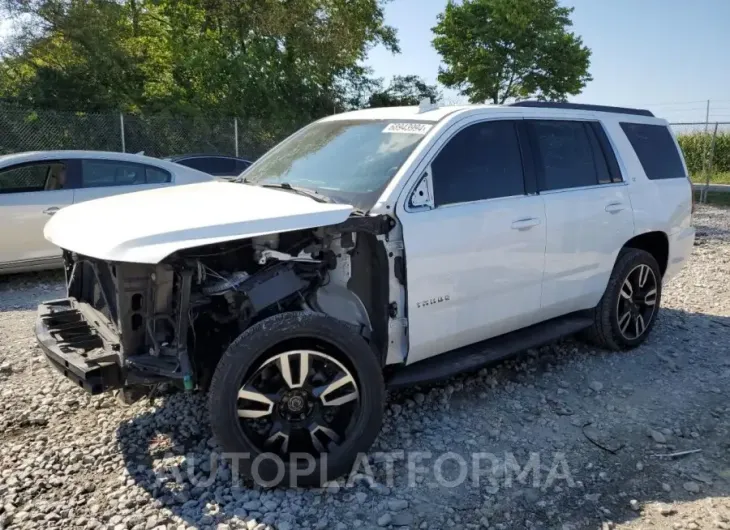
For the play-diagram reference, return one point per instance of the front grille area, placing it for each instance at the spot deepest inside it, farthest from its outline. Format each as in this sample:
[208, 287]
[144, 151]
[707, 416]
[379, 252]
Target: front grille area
[127, 295]
[98, 288]
[69, 329]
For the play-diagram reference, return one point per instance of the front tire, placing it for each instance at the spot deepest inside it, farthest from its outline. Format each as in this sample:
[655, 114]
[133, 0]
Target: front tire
[628, 309]
[293, 385]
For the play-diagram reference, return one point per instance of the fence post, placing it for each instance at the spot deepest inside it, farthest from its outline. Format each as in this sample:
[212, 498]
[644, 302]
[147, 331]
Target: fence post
[235, 133]
[121, 129]
[708, 170]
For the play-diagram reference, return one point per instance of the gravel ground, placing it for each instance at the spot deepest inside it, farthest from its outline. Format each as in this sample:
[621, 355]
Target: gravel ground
[576, 436]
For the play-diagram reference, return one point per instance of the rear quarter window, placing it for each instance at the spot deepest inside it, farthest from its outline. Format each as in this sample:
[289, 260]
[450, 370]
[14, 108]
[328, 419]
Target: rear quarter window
[656, 149]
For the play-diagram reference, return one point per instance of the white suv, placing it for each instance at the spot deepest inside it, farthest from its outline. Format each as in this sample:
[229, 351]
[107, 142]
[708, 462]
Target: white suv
[377, 248]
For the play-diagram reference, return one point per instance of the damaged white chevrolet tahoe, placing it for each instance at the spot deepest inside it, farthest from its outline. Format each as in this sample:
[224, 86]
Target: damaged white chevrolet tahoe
[377, 248]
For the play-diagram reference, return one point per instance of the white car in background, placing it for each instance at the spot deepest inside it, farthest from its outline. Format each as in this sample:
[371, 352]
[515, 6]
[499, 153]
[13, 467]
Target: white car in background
[35, 185]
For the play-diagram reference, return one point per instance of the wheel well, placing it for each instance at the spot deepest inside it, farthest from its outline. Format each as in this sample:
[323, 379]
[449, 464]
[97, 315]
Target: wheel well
[656, 244]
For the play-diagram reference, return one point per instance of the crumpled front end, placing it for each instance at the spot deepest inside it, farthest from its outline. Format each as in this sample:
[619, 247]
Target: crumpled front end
[126, 324]
[95, 334]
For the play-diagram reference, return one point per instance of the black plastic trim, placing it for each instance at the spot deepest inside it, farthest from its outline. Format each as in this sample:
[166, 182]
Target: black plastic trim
[613, 168]
[482, 353]
[75, 348]
[376, 225]
[528, 153]
[582, 106]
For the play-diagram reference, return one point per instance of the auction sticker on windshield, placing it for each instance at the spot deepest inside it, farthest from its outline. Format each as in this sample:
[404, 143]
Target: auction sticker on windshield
[408, 128]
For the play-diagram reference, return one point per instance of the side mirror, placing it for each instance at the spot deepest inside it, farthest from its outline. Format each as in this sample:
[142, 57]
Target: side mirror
[422, 195]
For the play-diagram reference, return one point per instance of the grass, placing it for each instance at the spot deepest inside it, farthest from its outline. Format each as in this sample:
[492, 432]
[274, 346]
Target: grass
[715, 178]
[716, 198]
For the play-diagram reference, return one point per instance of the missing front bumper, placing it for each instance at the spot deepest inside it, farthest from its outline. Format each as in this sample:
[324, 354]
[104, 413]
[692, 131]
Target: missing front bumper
[73, 343]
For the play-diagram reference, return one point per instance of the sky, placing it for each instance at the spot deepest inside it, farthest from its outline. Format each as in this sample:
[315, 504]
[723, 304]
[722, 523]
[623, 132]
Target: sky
[669, 56]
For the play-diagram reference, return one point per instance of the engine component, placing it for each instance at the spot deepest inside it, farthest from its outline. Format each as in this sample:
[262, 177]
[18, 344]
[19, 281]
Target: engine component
[225, 284]
[267, 255]
[271, 285]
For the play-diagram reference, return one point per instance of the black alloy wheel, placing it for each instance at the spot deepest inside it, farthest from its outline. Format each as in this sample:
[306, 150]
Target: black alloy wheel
[637, 302]
[299, 401]
[298, 397]
[629, 306]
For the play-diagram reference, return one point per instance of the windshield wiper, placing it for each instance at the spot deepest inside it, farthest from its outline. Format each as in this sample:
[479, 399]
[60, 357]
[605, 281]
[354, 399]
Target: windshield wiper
[301, 191]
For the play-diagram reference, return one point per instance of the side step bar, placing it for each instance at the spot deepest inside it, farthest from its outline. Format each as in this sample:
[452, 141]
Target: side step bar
[477, 355]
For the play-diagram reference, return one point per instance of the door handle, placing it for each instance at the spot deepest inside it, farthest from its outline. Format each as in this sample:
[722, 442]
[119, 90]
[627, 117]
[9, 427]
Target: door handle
[614, 207]
[51, 210]
[525, 224]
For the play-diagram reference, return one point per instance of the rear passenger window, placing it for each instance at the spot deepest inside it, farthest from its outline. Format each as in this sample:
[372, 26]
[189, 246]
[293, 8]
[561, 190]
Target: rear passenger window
[480, 162]
[156, 176]
[565, 154]
[656, 150]
[104, 173]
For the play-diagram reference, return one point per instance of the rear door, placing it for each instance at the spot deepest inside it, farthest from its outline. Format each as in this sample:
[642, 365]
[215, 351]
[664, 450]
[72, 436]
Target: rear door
[30, 194]
[102, 178]
[588, 210]
[474, 254]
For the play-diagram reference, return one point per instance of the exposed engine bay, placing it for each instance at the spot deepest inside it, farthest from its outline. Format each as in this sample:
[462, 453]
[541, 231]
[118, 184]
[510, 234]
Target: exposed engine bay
[174, 320]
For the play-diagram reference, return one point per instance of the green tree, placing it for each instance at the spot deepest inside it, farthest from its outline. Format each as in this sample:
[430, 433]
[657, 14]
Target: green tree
[403, 90]
[282, 62]
[495, 50]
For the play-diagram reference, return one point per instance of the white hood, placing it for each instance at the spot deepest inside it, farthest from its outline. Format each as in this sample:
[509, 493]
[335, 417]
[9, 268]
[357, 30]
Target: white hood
[148, 226]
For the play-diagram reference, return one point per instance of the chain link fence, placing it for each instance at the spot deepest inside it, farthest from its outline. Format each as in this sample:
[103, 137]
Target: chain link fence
[706, 146]
[155, 135]
[706, 149]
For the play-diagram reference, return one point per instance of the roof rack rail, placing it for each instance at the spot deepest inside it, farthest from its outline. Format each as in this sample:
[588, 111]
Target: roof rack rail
[581, 106]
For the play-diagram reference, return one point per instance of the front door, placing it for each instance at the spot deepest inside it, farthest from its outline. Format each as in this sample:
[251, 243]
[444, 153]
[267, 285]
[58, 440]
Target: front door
[30, 194]
[475, 255]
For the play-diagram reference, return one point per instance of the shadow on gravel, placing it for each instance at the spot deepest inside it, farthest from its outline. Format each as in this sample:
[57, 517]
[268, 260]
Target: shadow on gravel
[668, 396]
[27, 290]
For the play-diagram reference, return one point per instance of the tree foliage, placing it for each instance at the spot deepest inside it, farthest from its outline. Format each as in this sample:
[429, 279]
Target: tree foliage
[403, 90]
[285, 61]
[495, 50]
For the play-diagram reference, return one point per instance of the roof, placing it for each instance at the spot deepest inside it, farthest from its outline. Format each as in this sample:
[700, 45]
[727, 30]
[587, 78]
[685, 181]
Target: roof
[582, 106]
[401, 113]
[523, 110]
[185, 156]
[33, 156]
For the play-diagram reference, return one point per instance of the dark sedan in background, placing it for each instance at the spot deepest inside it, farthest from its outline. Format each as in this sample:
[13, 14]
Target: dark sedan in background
[217, 165]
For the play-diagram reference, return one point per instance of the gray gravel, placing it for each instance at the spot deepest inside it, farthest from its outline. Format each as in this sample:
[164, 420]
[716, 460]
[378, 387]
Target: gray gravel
[592, 424]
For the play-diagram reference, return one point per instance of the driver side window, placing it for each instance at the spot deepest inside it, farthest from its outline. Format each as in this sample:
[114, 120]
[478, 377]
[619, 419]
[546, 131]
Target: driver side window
[35, 176]
[480, 162]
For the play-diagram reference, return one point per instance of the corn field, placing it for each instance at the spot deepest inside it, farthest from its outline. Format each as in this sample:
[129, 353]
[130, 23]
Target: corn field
[699, 149]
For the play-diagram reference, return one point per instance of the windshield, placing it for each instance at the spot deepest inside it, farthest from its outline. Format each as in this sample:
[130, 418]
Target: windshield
[347, 161]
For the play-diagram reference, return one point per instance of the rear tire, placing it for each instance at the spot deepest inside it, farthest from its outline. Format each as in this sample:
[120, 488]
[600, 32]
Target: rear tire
[263, 349]
[628, 309]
